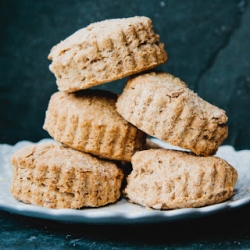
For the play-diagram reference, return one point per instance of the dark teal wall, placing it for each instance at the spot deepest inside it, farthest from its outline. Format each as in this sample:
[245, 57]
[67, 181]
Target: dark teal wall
[207, 42]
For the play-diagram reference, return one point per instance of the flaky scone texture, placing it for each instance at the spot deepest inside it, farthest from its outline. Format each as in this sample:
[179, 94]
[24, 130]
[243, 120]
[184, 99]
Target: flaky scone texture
[106, 51]
[169, 179]
[88, 121]
[54, 176]
[163, 106]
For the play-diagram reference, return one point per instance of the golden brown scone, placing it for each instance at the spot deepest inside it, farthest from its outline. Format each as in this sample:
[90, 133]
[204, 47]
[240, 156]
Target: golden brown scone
[54, 176]
[162, 106]
[169, 179]
[106, 51]
[88, 121]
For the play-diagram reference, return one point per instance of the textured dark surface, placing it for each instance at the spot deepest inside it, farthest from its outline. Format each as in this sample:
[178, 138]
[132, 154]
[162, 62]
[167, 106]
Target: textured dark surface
[228, 230]
[208, 47]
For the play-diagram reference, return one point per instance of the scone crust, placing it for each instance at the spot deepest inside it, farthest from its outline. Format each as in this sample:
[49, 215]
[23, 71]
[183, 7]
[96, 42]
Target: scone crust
[164, 107]
[169, 179]
[88, 121]
[54, 176]
[106, 51]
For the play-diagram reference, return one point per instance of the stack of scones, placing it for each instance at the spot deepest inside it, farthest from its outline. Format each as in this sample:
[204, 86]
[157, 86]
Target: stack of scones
[101, 149]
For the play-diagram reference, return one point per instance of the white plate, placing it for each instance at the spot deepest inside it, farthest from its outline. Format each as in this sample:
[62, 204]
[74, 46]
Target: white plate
[123, 212]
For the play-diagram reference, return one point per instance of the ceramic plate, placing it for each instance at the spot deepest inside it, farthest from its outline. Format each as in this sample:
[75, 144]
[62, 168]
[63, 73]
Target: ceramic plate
[124, 212]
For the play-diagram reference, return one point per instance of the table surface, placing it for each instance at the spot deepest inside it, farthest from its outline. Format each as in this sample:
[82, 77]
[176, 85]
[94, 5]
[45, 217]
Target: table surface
[226, 230]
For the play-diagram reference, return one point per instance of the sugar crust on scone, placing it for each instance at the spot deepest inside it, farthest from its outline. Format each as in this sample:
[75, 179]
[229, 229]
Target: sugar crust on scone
[106, 51]
[164, 107]
[54, 176]
[88, 121]
[169, 179]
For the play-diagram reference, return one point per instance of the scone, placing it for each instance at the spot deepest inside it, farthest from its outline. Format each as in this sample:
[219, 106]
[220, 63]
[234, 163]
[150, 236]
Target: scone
[105, 51]
[88, 121]
[54, 176]
[169, 179]
[163, 106]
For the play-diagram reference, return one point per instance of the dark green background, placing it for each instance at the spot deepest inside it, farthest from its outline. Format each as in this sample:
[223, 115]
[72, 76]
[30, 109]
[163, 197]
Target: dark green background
[207, 42]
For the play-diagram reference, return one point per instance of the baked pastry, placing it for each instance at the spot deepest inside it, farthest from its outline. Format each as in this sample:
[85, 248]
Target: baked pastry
[170, 179]
[105, 51]
[88, 121]
[54, 176]
[163, 106]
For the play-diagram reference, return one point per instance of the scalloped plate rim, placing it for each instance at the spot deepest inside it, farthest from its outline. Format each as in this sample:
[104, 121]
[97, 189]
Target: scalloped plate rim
[108, 213]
